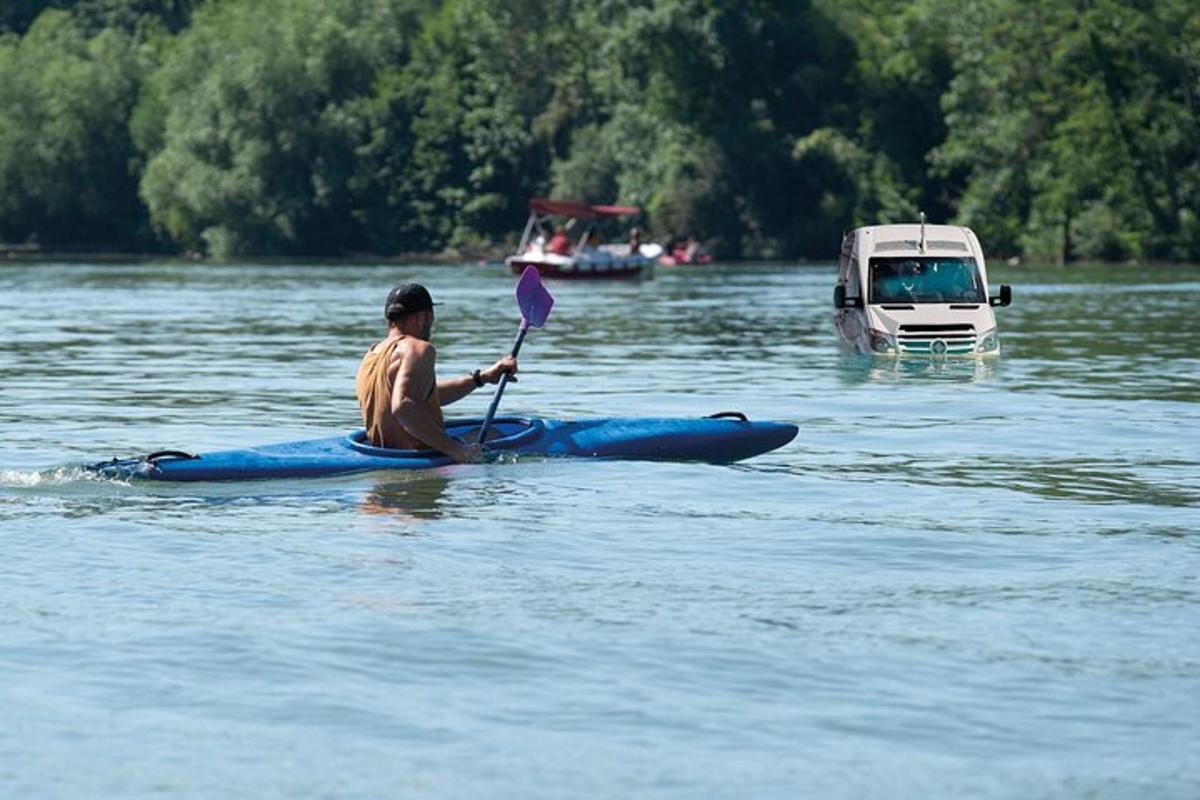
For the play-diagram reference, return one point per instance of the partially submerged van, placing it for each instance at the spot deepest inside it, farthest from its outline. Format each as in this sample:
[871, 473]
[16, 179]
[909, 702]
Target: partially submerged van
[916, 289]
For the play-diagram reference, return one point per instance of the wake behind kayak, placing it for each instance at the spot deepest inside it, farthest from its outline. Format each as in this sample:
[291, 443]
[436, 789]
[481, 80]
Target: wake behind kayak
[718, 439]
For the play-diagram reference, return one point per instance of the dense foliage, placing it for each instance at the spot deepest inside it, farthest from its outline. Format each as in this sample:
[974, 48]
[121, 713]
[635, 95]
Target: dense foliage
[1062, 130]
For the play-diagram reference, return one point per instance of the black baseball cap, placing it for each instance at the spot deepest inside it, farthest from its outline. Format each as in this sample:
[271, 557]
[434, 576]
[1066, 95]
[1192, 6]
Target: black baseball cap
[406, 299]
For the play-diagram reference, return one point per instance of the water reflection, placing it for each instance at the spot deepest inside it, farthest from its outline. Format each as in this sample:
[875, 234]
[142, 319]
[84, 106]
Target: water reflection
[857, 368]
[420, 497]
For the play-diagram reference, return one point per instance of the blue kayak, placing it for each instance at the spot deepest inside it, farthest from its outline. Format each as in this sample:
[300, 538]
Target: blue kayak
[721, 438]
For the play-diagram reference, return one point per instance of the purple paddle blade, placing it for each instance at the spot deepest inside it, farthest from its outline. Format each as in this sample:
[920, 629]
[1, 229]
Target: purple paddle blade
[535, 304]
[533, 299]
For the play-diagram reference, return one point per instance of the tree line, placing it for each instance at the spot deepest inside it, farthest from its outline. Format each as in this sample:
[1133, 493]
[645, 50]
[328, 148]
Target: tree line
[1062, 130]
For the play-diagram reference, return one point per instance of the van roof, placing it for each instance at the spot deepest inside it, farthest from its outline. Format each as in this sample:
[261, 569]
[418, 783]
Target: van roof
[905, 238]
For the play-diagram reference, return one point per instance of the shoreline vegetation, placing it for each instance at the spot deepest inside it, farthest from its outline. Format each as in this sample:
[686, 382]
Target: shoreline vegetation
[67, 254]
[493, 258]
[312, 129]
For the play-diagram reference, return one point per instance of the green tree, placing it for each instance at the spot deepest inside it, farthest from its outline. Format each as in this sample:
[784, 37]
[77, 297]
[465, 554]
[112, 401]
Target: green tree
[65, 146]
[95, 15]
[904, 62]
[497, 89]
[173, 15]
[1076, 127]
[735, 86]
[690, 108]
[272, 124]
[1064, 130]
[17, 15]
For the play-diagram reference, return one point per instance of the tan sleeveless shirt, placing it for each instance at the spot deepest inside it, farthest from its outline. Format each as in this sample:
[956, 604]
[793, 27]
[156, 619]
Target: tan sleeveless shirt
[374, 387]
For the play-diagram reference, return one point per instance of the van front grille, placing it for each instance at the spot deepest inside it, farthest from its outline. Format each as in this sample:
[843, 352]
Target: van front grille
[936, 339]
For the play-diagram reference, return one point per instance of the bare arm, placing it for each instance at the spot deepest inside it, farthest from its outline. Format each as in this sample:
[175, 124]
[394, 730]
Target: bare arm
[414, 382]
[453, 389]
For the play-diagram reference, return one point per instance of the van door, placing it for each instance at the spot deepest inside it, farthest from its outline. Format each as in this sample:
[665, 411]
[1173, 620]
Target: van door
[850, 322]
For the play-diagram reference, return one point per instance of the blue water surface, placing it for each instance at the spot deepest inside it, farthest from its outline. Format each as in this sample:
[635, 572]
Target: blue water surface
[962, 579]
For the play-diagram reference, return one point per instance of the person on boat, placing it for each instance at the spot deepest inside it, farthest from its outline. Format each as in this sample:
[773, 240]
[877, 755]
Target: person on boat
[635, 241]
[398, 391]
[679, 251]
[694, 252]
[559, 243]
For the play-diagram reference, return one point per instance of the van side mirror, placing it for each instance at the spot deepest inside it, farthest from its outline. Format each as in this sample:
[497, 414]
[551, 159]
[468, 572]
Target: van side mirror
[841, 301]
[1005, 296]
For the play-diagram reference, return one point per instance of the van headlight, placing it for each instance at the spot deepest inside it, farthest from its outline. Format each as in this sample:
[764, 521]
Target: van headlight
[988, 343]
[881, 342]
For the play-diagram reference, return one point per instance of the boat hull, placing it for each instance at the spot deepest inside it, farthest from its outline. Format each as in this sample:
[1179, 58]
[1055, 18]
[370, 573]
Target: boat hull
[714, 440]
[582, 269]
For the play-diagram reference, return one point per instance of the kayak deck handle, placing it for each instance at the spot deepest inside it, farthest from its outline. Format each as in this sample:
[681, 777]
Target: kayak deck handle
[728, 415]
[159, 455]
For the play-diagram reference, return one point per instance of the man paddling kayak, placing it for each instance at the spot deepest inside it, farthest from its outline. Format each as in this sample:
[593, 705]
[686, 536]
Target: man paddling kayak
[398, 391]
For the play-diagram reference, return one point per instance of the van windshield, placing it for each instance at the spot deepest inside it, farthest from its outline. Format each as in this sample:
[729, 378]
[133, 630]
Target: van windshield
[925, 279]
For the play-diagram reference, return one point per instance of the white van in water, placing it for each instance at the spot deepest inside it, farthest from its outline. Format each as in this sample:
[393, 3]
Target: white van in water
[916, 289]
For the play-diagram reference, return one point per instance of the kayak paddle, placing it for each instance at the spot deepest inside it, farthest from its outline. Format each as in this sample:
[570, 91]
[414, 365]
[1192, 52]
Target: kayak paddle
[535, 303]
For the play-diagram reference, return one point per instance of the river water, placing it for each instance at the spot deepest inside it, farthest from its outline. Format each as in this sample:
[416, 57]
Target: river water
[962, 579]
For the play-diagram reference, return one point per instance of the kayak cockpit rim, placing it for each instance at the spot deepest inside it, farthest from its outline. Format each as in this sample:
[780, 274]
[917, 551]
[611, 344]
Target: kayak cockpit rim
[527, 428]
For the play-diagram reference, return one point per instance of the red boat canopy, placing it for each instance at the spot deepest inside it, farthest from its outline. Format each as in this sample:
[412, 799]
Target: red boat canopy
[569, 208]
[616, 211]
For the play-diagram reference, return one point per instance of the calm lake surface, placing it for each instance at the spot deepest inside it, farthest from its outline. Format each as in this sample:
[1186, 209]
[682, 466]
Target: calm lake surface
[962, 579]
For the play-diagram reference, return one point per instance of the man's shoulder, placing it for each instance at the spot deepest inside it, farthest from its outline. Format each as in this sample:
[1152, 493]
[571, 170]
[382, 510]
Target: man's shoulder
[416, 348]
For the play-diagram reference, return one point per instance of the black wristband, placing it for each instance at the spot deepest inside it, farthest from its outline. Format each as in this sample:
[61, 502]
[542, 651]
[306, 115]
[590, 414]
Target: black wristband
[475, 376]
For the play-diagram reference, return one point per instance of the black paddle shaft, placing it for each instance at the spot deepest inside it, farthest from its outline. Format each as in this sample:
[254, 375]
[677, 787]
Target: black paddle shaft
[491, 412]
